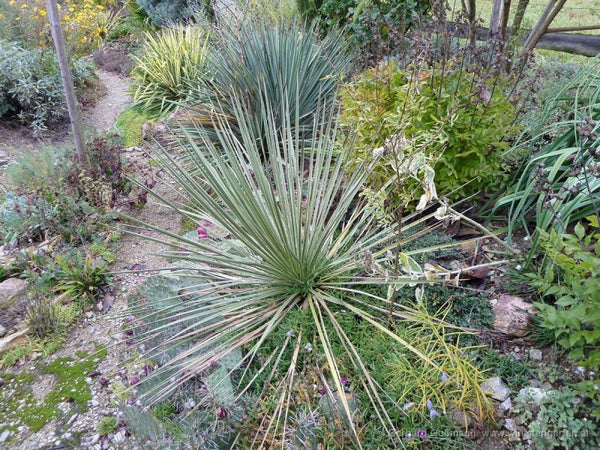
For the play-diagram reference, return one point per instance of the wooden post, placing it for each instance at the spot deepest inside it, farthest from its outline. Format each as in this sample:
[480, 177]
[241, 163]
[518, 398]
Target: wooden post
[495, 18]
[552, 9]
[65, 73]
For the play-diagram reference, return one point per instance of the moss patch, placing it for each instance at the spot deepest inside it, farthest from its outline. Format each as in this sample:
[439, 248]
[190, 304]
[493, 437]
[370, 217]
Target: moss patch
[18, 405]
[129, 125]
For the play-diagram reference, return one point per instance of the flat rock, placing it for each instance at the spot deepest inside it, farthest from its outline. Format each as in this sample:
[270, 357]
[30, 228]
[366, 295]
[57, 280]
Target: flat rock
[12, 290]
[512, 315]
[495, 388]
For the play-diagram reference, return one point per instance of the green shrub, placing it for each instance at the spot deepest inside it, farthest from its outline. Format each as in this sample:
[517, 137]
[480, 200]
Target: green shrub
[168, 60]
[569, 284]
[30, 85]
[39, 172]
[376, 28]
[25, 218]
[171, 12]
[55, 195]
[460, 127]
[289, 66]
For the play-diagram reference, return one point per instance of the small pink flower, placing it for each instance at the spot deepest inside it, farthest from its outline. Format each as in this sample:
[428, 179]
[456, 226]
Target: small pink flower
[206, 223]
[221, 412]
[322, 390]
[130, 319]
[421, 434]
[344, 380]
[134, 380]
[129, 332]
[202, 233]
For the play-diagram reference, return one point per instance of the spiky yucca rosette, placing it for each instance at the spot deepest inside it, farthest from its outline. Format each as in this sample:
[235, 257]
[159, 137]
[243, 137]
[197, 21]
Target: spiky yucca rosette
[294, 235]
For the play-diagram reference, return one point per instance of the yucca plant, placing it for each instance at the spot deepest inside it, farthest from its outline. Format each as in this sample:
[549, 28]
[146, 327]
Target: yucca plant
[169, 59]
[291, 237]
[559, 184]
[260, 64]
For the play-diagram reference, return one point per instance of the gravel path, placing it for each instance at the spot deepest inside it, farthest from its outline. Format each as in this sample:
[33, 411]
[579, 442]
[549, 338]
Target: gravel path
[104, 114]
[80, 429]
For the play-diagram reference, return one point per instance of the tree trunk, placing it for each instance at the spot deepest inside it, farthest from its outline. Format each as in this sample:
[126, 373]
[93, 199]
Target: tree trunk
[495, 18]
[472, 21]
[65, 73]
[519, 15]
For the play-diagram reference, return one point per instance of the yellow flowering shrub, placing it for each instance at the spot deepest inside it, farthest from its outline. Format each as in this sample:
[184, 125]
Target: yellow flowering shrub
[84, 22]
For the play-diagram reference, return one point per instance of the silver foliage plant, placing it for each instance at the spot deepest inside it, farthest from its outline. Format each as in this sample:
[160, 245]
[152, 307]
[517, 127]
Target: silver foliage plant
[297, 236]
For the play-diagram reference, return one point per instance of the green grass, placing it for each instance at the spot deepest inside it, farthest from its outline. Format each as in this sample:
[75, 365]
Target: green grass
[574, 13]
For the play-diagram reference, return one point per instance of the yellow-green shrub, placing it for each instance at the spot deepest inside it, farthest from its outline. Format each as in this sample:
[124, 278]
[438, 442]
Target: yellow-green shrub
[84, 22]
[457, 120]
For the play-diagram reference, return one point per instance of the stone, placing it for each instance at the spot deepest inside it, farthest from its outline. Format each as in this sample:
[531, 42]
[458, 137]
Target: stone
[510, 425]
[2, 331]
[4, 436]
[2, 382]
[496, 389]
[535, 354]
[119, 438]
[512, 315]
[506, 405]
[534, 394]
[12, 290]
[461, 417]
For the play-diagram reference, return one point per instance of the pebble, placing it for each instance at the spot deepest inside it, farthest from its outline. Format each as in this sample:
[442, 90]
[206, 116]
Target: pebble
[496, 389]
[2, 331]
[119, 438]
[4, 436]
[510, 425]
[535, 354]
[506, 405]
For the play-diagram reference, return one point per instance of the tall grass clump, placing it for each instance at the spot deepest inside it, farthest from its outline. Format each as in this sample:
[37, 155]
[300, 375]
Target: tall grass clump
[169, 59]
[558, 185]
[281, 234]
